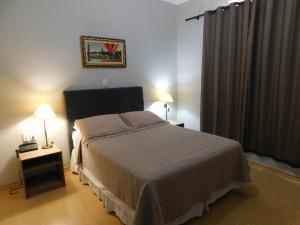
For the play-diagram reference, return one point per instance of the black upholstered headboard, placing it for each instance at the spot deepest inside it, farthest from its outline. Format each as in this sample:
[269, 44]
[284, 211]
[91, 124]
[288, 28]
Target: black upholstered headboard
[92, 102]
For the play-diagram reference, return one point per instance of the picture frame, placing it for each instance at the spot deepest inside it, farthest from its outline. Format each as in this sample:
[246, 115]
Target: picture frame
[100, 52]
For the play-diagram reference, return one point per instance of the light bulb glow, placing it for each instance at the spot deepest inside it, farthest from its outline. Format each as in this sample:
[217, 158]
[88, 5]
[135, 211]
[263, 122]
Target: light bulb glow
[44, 111]
[167, 98]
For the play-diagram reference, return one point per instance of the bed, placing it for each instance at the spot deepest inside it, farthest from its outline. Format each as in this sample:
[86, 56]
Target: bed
[148, 172]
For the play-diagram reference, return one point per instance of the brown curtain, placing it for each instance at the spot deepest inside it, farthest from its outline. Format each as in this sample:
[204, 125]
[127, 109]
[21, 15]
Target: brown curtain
[223, 70]
[251, 86]
[273, 107]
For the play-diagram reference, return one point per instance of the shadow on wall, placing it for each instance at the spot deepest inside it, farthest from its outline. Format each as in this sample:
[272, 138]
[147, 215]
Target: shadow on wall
[7, 171]
[18, 102]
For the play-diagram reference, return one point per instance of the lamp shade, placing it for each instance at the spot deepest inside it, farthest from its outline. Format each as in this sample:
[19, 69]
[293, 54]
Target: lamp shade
[166, 97]
[44, 111]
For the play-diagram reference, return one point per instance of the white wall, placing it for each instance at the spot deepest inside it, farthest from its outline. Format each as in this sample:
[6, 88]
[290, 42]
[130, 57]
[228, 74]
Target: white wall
[189, 60]
[40, 57]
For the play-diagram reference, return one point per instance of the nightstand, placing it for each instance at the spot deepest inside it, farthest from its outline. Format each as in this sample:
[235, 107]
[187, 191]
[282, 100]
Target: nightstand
[176, 123]
[41, 170]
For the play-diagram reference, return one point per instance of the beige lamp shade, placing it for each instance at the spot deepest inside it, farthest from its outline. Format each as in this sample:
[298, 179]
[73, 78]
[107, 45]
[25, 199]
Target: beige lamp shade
[167, 98]
[44, 111]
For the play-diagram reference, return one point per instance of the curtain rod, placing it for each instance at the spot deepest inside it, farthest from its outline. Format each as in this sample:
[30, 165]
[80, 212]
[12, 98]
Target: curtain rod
[195, 17]
[212, 11]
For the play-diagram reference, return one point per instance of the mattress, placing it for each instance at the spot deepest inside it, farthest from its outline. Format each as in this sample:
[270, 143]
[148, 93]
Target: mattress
[163, 172]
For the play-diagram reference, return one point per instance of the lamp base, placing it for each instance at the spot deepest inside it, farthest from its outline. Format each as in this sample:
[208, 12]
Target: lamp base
[47, 146]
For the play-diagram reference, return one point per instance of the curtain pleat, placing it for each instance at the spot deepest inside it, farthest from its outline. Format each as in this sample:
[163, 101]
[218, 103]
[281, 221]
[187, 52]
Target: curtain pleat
[251, 77]
[223, 70]
[273, 122]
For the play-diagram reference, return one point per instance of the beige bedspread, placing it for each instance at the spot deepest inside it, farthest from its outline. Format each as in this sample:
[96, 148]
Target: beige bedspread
[161, 172]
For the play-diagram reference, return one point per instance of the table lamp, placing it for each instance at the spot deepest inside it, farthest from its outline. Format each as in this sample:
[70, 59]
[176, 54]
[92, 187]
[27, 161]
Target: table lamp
[44, 112]
[167, 98]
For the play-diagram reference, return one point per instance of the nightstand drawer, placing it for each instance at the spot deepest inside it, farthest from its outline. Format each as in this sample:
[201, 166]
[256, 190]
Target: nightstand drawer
[40, 161]
[43, 182]
[41, 170]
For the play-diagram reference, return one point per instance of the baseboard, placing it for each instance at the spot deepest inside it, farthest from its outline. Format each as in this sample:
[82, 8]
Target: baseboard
[18, 183]
[10, 186]
[258, 165]
[275, 171]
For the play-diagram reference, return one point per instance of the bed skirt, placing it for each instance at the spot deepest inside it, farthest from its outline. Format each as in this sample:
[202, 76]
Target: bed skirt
[126, 214]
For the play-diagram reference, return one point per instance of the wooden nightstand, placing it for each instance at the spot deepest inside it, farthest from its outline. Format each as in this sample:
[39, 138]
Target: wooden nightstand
[176, 123]
[41, 170]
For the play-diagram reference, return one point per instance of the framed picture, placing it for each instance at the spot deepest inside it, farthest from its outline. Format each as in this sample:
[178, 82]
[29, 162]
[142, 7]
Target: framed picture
[98, 52]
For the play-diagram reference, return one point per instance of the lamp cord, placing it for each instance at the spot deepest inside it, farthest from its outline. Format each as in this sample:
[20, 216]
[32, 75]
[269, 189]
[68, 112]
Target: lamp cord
[14, 189]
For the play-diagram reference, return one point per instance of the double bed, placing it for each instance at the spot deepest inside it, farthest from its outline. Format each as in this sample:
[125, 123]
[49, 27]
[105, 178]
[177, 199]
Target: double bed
[142, 168]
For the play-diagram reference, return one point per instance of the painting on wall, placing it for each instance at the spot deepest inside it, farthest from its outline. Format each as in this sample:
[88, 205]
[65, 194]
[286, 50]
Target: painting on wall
[99, 52]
